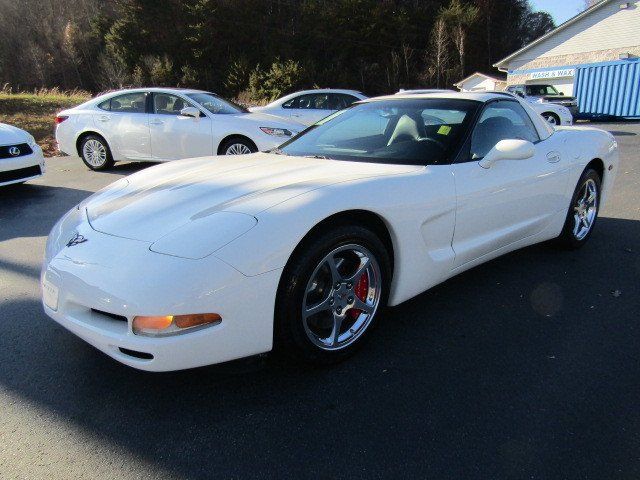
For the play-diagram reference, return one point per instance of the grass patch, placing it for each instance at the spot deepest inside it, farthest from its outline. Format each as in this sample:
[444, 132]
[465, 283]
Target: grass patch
[35, 112]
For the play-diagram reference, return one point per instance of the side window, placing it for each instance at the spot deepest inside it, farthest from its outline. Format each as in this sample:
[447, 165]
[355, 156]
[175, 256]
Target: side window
[339, 101]
[167, 104]
[293, 103]
[129, 103]
[106, 105]
[501, 120]
[313, 101]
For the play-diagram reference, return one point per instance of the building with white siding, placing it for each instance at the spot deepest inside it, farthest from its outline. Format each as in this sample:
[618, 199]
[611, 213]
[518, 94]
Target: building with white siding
[480, 82]
[595, 56]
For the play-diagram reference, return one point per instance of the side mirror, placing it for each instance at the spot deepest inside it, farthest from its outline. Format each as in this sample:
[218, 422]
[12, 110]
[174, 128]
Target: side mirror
[562, 93]
[190, 112]
[520, 94]
[508, 150]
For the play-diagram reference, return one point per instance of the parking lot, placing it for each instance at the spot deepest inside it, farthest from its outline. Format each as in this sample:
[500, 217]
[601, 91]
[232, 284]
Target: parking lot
[525, 367]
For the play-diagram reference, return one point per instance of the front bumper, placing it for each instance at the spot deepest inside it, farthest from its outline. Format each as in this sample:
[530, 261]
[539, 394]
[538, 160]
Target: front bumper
[95, 288]
[21, 169]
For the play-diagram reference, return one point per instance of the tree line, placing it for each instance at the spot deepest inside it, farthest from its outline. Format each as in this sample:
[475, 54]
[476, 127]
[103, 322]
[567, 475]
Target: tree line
[259, 49]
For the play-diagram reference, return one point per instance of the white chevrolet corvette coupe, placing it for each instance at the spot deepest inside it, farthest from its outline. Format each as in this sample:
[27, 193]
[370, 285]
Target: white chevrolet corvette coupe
[21, 158]
[163, 124]
[197, 262]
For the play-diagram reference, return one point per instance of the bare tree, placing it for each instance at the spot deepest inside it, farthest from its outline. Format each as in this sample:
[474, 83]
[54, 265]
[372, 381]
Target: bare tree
[438, 53]
[459, 17]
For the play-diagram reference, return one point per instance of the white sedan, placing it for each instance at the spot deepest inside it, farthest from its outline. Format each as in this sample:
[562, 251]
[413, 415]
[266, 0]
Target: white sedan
[197, 262]
[21, 158]
[309, 106]
[161, 124]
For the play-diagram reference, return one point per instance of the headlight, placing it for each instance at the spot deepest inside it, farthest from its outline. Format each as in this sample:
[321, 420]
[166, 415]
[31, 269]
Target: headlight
[201, 237]
[173, 324]
[277, 132]
[31, 141]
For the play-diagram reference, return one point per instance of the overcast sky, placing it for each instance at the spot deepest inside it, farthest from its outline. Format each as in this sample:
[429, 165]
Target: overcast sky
[561, 10]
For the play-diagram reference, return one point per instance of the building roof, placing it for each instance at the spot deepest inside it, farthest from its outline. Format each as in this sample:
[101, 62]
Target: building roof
[502, 63]
[479, 74]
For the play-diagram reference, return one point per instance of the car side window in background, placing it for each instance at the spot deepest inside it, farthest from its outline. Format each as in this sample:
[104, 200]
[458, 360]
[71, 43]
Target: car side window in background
[338, 101]
[502, 120]
[293, 103]
[166, 104]
[312, 101]
[129, 103]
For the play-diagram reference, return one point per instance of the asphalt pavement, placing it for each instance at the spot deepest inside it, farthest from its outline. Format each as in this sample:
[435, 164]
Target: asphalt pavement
[525, 367]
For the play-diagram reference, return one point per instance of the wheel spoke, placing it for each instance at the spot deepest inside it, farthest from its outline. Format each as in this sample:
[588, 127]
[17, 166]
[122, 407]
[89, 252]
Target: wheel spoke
[364, 264]
[362, 306]
[577, 223]
[318, 307]
[335, 332]
[333, 269]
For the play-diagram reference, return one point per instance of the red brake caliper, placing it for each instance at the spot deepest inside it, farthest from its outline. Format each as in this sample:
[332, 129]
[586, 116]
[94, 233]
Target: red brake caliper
[361, 290]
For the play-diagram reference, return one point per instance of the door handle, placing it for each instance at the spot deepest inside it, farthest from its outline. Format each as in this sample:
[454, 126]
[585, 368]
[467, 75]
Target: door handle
[103, 119]
[553, 157]
[156, 122]
[295, 115]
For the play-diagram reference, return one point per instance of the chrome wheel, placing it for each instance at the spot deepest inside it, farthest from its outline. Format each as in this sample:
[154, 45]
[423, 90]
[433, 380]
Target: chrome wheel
[94, 153]
[341, 297]
[237, 149]
[585, 209]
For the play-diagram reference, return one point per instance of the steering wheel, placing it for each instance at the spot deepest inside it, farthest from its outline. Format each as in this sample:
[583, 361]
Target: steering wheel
[438, 143]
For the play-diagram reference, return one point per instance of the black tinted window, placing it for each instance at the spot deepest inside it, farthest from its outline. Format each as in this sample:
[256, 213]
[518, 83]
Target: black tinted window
[414, 132]
[502, 120]
[166, 104]
[106, 105]
[129, 103]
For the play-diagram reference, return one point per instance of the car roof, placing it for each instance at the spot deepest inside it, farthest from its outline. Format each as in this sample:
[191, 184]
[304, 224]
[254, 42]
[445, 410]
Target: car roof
[477, 96]
[123, 91]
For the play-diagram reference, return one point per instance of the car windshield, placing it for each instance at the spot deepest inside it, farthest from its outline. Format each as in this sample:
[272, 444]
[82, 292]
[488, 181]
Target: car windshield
[216, 104]
[540, 90]
[403, 131]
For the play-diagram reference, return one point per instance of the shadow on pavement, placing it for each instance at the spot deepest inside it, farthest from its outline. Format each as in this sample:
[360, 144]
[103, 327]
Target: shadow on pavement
[30, 210]
[525, 366]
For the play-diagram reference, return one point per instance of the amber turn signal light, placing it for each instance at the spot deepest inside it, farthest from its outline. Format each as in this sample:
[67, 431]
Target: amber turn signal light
[171, 324]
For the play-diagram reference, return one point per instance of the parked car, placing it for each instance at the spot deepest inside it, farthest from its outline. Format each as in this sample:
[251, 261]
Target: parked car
[553, 113]
[547, 94]
[162, 124]
[178, 266]
[309, 106]
[21, 158]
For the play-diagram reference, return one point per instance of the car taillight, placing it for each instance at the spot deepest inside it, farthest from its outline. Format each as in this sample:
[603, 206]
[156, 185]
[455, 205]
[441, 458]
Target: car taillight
[61, 118]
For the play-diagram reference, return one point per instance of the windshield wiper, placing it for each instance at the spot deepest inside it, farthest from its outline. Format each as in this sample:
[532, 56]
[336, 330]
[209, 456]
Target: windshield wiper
[319, 157]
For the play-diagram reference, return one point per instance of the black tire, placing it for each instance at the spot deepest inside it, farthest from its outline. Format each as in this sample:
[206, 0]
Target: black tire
[96, 163]
[290, 333]
[552, 118]
[238, 144]
[568, 238]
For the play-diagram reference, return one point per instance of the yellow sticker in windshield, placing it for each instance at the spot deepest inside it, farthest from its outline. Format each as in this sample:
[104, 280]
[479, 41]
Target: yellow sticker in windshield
[444, 130]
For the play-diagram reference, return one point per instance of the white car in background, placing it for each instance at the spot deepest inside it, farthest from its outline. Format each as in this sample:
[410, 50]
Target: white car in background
[163, 124]
[309, 106]
[21, 158]
[554, 114]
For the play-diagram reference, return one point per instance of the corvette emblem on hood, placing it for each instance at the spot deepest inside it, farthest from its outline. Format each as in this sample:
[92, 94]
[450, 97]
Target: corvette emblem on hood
[76, 240]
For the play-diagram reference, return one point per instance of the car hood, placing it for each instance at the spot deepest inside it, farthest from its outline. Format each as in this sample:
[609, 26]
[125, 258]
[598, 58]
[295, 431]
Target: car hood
[11, 135]
[154, 202]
